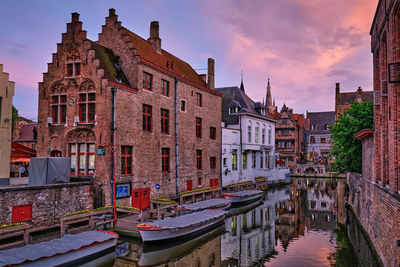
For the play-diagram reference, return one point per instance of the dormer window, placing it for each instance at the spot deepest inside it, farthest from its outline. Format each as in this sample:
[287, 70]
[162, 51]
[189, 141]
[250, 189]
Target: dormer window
[73, 69]
[262, 111]
[233, 110]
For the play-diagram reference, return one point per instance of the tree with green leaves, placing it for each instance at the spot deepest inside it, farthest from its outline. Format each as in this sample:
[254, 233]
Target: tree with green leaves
[346, 149]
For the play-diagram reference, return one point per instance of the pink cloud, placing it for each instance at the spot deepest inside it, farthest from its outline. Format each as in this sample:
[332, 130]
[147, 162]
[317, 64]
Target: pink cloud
[305, 46]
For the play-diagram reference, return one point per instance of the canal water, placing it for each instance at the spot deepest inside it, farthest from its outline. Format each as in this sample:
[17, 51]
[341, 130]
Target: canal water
[303, 224]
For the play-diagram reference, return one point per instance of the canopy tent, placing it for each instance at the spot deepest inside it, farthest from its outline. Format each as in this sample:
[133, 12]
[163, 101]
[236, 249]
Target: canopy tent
[21, 153]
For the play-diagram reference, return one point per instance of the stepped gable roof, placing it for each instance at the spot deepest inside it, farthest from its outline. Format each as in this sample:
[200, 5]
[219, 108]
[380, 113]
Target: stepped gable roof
[109, 62]
[320, 120]
[350, 97]
[233, 96]
[164, 59]
[26, 133]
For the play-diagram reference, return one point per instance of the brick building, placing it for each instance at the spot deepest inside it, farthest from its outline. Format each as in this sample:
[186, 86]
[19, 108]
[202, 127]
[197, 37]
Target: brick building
[289, 137]
[374, 195]
[26, 135]
[167, 118]
[6, 96]
[344, 100]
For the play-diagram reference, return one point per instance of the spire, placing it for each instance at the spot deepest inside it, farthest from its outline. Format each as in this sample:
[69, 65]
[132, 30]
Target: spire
[268, 97]
[274, 102]
[241, 83]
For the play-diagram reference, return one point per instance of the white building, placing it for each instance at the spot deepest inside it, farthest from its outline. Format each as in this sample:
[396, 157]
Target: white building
[248, 139]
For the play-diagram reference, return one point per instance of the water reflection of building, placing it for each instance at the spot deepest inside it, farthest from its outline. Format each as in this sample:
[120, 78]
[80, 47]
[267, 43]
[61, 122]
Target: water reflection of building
[311, 204]
[250, 236]
[202, 251]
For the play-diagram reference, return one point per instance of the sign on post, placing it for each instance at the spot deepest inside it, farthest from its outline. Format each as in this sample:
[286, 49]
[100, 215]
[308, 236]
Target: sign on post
[158, 186]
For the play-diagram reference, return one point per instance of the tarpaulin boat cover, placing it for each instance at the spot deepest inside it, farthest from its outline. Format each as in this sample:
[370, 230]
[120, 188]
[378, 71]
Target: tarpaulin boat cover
[195, 218]
[247, 193]
[50, 170]
[207, 204]
[62, 245]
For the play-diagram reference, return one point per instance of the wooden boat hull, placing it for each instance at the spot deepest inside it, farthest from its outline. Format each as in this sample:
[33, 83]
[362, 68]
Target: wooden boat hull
[168, 234]
[76, 256]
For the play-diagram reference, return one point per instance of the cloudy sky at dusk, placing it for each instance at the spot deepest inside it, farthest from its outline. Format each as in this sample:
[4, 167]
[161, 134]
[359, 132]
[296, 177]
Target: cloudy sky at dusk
[305, 46]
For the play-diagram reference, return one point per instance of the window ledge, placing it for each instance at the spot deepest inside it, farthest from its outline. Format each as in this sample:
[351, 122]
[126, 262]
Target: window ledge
[57, 125]
[90, 124]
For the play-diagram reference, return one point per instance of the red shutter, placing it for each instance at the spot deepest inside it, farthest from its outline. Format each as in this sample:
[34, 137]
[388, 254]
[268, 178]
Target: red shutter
[189, 185]
[22, 213]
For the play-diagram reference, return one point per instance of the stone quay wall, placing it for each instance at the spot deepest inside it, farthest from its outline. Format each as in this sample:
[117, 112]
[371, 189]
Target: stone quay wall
[49, 202]
[378, 210]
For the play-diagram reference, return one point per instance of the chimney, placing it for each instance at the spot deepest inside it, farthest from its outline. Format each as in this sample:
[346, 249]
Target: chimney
[337, 88]
[75, 17]
[111, 12]
[154, 36]
[203, 77]
[210, 73]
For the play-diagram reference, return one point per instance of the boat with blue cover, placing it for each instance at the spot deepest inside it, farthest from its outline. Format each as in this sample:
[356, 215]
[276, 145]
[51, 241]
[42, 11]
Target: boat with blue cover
[244, 196]
[181, 226]
[214, 203]
[64, 251]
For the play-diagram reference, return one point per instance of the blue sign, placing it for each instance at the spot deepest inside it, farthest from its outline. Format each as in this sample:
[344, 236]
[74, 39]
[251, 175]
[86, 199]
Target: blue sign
[122, 190]
[158, 186]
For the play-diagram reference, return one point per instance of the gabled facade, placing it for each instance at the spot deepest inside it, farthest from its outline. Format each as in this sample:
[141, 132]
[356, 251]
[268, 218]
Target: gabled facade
[286, 133]
[127, 93]
[248, 138]
[344, 100]
[319, 136]
[6, 97]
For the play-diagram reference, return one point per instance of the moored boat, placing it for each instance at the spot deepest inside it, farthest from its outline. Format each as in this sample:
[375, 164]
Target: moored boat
[64, 251]
[181, 226]
[244, 196]
[214, 203]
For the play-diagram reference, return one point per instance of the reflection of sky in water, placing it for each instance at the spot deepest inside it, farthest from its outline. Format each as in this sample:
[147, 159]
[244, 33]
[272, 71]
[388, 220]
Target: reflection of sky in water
[312, 249]
[287, 229]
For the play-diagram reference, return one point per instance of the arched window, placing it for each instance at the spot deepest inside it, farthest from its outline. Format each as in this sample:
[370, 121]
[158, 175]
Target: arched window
[81, 149]
[257, 133]
[55, 153]
[249, 132]
[263, 135]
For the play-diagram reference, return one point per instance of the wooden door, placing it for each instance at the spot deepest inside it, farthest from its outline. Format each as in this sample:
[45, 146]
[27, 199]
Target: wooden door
[189, 185]
[136, 198]
[144, 198]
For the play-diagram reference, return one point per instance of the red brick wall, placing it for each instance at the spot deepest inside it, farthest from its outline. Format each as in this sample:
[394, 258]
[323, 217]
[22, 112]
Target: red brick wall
[379, 211]
[147, 146]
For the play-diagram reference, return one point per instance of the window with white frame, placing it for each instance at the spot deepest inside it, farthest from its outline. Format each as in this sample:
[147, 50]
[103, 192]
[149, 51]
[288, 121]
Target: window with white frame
[263, 136]
[257, 133]
[269, 135]
[249, 133]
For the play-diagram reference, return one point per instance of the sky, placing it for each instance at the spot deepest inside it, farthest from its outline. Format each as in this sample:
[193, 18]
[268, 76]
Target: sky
[303, 46]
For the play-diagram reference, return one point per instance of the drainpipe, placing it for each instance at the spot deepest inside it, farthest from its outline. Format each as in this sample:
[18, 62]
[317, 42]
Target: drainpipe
[176, 136]
[113, 91]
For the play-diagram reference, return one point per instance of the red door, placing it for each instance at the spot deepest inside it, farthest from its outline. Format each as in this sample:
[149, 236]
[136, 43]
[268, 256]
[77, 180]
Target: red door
[22, 213]
[141, 198]
[189, 185]
[211, 182]
[145, 198]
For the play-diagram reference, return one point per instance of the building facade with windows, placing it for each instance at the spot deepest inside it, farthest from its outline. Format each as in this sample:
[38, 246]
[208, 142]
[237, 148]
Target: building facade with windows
[123, 106]
[289, 138]
[248, 138]
[343, 100]
[319, 136]
[6, 97]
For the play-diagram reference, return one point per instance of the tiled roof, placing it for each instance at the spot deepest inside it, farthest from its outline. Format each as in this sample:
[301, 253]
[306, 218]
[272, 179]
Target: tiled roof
[146, 50]
[348, 98]
[319, 120]
[235, 95]
[26, 132]
[108, 62]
